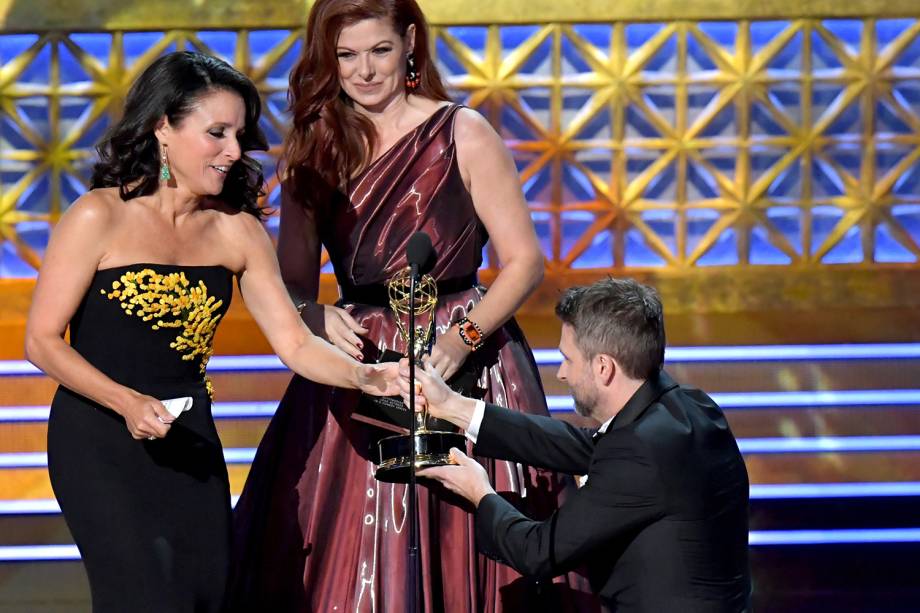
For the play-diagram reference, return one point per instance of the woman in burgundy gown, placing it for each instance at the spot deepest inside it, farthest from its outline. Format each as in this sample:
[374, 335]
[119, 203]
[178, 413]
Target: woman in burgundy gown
[314, 531]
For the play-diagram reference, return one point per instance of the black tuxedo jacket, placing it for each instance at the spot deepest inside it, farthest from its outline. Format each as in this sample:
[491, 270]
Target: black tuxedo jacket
[661, 523]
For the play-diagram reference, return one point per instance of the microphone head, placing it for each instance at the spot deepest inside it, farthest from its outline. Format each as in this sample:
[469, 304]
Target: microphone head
[420, 253]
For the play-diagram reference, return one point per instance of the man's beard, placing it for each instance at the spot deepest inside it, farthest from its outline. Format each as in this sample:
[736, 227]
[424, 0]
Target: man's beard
[585, 401]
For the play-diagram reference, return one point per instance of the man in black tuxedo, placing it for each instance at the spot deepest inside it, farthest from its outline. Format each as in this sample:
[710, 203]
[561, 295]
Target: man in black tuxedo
[661, 523]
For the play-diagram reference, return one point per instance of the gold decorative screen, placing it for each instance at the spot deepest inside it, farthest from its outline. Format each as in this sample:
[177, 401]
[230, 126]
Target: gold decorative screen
[662, 143]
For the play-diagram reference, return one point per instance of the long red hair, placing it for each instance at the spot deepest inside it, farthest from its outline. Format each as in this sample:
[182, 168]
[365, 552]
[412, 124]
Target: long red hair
[329, 140]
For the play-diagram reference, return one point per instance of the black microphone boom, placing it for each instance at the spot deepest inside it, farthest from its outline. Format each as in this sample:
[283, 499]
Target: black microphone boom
[421, 257]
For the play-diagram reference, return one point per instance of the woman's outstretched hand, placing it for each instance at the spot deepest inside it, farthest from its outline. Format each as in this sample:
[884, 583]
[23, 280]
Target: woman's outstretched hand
[379, 379]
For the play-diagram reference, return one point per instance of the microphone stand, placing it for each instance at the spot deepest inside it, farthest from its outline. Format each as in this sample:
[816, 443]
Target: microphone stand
[414, 587]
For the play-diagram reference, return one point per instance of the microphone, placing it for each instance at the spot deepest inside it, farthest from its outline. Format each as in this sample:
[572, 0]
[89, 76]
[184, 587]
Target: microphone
[420, 254]
[421, 257]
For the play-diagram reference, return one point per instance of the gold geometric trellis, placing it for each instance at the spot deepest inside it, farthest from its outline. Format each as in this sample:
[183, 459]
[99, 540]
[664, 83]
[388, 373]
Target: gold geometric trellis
[675, 145]
[744, 160]
[46, 151]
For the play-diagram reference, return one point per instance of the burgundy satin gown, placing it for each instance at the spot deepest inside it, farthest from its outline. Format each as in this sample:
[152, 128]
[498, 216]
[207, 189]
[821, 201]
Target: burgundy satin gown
[314, 531]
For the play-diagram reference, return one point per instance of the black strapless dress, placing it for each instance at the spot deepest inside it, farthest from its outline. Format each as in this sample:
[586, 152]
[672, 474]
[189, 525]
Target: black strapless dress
[151, 518]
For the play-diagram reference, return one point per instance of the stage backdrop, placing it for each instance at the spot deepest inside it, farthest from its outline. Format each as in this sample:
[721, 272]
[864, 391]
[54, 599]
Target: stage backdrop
[758, 161]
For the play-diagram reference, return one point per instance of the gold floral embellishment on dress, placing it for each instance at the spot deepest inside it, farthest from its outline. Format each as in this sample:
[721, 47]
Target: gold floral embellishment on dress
[171, 301]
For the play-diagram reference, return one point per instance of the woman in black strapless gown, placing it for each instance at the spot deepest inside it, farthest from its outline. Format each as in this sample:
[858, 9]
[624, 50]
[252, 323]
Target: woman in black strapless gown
[159, 509]
[146, 494]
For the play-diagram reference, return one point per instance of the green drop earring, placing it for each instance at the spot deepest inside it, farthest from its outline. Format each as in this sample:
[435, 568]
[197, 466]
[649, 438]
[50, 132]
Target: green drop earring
[165, 175]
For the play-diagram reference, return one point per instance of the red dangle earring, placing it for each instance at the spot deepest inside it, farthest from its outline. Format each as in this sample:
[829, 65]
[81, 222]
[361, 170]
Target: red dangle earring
[412, 77]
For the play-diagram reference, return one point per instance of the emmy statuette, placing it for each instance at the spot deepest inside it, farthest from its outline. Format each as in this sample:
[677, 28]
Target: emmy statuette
[431, 446]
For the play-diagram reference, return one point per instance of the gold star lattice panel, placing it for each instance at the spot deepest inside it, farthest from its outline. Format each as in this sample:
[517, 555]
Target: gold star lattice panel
[674, 145]
[689, 144]
[58, 94]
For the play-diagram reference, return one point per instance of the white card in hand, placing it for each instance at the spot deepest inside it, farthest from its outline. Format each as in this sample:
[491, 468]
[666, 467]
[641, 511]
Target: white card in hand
[177, 406]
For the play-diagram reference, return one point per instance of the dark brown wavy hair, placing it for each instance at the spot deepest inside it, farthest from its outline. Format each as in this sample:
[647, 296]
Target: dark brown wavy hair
[329, 140]
[129, 154]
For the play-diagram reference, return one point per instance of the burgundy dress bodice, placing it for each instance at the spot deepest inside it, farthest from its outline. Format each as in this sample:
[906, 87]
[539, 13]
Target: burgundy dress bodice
[390, 200]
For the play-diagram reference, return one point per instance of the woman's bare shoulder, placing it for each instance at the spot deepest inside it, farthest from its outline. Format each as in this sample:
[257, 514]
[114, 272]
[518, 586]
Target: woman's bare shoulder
[471, 129]
[238, 224]
[95, 206]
